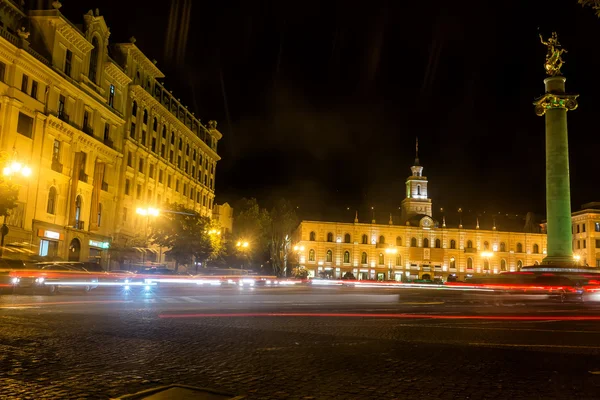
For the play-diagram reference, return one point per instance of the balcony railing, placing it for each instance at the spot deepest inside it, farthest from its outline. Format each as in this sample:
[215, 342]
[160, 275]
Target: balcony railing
[83, 176]
[56, 166]
[79, 225]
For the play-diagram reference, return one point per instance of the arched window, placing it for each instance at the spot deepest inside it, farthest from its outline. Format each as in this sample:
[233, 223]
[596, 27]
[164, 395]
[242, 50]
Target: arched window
[502, 246]
[519, 265]
[346, 257]
[536, 262]
[347, 238]
[469, 244]
[398, 241]
[134, 108]
[452, 263]
[453, 244]
[145, 116]
[329, 256]
[536, 248]
[426, 243]
[381, 259]
[180, 145]
[413, 242]
[330, 237]
[155, 125]
[438, 244]
[363, 258]
[99, 213]
[519, 248]
[51, 206]
[313, 236]
[311, 255]
[503, 265]
[381, 239]
[398, 260]
[172, 137]
[164, 132]
[469, 263]
[486, 265]
[95, 53]
[419, 190]
[78, 205]
[365, 239]
[486, 245]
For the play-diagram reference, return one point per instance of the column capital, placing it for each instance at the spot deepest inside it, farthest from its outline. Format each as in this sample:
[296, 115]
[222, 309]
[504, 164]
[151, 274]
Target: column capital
[555, 100]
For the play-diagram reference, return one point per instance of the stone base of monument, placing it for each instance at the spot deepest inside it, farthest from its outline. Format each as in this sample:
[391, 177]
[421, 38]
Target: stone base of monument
[180, 392]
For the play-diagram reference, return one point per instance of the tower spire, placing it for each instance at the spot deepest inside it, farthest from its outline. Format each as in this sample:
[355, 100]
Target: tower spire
[417, 152]
[356, 217]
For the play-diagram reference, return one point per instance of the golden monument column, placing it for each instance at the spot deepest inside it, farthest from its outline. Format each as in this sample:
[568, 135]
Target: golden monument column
[554, 104]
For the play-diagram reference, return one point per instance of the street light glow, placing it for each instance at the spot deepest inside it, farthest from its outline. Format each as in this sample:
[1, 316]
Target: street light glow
[486, 254]
[150, 211]
[391, 250]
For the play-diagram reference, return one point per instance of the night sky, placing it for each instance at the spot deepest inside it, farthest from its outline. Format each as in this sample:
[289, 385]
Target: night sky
[321, 102]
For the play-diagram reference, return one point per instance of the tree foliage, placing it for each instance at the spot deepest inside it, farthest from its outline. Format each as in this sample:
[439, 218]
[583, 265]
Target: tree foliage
[185, 233]
[283, 222]
[9, 192]
[595, 4]
[251, 223]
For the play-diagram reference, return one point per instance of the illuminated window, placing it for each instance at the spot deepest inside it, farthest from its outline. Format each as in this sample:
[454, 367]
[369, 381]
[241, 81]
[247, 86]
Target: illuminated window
[453, 263]
[313, 236]
[469, 244]
[519, 248]
[329, 256]
[363, 258]
[381, 259]
[486, 245]
[51, 206]
[346, 257]
[503, 265]
[486, 265]
[330, 237]
[469, 263]
[398, 260]
[311, 255]
[597, 226]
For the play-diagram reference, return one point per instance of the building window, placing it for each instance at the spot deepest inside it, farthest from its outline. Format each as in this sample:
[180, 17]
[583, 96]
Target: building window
[365, 239]
[172, 137]
[486, 245]
[329, 256]
[438, 244]
[187, 167]
[162, 150]
[578, 229]
[180, 146]
[503, 265]
[579, 244]
[469, 244]
[519, 265]
[160, 176]
[502, 246]
[124, 214]
[187, 149]
[519, 248]
[61, 107]
[2, 71]
[413, 242]
[24, 83]
[106, 132]
[330, 237]
[51, 206]
[99, 214]
[398, 260]
[381, 239]
[536, 249]
[169, 181]
[452, 263]
[597, 226]
[56, 151]
[130, 159]
[86, 121]
[584, 243]
[346, 257]
[68, 62]
[94, 59]
[153, 145]
[313, 236]
[171, 156]
[143, 137]
[78, 205]
[111, 96]
[164, 132]
[141, 165]
[145, 119]
[134, 108]
[426, 243]
[453, 244]
[155, 125]
[347, 238]
[177, 188]
[178, 161]
[381, 261]
[469, 263]
[34, 88]
[311, 255]
[138, 194]
[25, 125]
[127, 187]
[363, 258]
[398, 241]
[418, 190]
[132, 131]
[151, 171]
[582, 225]
[486, 265]
[193, 171]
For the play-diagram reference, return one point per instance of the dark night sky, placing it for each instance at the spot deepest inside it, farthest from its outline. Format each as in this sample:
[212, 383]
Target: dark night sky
[325, 100]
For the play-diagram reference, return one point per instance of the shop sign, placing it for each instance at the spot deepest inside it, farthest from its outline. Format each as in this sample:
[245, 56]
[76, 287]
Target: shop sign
[101, 245]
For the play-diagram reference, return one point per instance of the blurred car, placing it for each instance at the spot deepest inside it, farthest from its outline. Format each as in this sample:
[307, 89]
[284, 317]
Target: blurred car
[65, 275]
[12, 275]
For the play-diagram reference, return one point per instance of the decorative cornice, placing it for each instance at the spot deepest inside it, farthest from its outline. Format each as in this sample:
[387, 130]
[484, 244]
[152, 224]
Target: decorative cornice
[140, 94]
[116, 73]
[555, 100]
[141, 59]
[72, 34]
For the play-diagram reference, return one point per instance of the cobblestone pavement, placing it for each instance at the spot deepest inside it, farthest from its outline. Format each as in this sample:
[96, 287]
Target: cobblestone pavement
[67, 352]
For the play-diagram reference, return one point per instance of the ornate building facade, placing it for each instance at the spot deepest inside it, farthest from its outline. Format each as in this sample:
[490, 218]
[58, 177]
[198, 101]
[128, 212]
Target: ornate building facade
[100, 133]
[418, 247]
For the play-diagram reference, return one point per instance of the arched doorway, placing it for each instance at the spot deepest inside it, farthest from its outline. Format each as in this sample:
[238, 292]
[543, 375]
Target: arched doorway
[74, 250]
[426, 277]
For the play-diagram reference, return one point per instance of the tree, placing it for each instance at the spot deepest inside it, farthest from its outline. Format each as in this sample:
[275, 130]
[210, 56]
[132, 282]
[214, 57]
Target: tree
[252, 224]
[9, 192]
[595, 4]
[126, 250]
[283, 222]
[185, 233]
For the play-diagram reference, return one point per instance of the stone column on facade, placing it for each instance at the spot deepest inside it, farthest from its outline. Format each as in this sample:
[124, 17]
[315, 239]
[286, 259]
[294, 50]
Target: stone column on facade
[554, 105]
[97, 187]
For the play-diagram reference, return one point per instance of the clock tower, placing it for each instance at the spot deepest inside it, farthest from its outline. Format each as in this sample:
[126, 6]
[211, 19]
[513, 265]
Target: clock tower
[416, 201]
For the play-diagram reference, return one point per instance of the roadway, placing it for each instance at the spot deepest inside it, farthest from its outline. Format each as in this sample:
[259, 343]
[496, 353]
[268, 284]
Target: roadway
[297, 342]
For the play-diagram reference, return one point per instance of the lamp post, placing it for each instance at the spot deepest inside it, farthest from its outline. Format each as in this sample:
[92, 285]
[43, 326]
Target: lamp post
[146, 212]
[13, 170]
[243, 247]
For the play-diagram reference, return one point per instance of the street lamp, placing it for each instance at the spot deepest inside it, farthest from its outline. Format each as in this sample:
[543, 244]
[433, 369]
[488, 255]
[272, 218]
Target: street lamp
[242, 246]
[14, 169]
[389, 251]
[146, 212]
